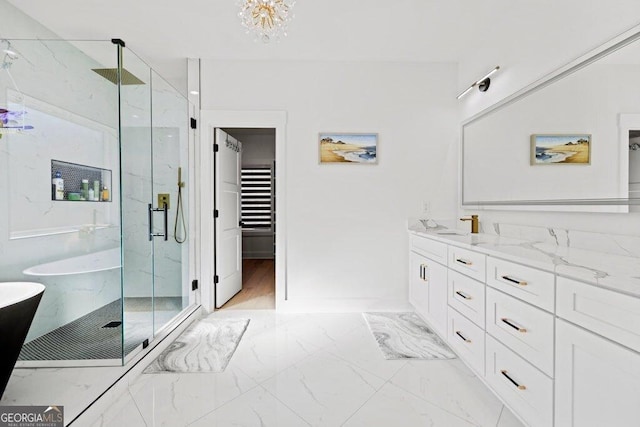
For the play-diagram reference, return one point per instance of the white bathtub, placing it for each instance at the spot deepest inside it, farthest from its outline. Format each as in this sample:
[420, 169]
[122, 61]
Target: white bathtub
[90, 263]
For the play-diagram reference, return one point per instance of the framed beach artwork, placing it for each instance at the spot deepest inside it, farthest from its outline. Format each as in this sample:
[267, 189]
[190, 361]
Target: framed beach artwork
[554, 149]
[359, 148]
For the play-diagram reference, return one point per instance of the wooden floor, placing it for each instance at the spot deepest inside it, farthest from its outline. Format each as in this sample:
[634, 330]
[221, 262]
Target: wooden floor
[258, 286]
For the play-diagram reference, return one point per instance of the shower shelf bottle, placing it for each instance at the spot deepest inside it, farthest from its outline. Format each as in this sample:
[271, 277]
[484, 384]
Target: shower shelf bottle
[84, 195]
[58, 183]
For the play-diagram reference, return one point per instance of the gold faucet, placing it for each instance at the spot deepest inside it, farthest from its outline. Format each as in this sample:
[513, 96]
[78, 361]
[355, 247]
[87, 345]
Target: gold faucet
[474, 223]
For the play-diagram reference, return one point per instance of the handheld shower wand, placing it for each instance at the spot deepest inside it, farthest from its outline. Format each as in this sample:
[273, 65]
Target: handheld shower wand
[180, 212]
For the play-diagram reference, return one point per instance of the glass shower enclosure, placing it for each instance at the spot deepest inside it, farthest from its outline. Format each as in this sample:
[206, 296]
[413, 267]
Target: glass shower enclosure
[95, 174]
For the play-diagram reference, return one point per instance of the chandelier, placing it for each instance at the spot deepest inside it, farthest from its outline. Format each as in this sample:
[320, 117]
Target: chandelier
[267, 19]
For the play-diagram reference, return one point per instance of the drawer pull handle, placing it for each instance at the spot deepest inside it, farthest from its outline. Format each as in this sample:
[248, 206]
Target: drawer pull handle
[462, 337]
[463, 295]
[517, 328]
[463, 261]
[517, 282]
[520, 386]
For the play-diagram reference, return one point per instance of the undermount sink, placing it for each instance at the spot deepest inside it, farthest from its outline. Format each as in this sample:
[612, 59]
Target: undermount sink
[452, 232]
[18, 304]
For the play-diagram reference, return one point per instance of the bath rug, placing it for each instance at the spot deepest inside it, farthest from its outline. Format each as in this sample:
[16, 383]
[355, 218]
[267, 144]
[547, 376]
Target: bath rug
[206, 346]
[406, 336]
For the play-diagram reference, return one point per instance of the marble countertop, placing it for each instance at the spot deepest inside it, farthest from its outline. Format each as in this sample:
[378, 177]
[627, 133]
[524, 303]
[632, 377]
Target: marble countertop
[619, 273]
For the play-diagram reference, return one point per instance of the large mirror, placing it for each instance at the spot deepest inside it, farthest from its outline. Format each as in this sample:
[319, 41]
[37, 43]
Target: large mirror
[571, 141]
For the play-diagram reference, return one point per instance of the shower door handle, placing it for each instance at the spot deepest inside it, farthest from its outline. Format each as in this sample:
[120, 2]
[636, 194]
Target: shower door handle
[166, 222]
[150, 222]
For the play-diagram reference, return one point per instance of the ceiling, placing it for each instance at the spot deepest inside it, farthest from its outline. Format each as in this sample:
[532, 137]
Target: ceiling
[166, 32]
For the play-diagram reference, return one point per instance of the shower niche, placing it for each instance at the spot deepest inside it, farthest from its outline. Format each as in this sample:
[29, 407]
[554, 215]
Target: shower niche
[74, 182]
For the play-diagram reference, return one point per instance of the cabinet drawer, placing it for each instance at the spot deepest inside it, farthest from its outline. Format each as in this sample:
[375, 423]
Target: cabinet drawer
[616, 316]
[524, 388]
[529, 284]
[467, 339]
[467, 262]
[525, 329]
[467, 296]
[429, 248]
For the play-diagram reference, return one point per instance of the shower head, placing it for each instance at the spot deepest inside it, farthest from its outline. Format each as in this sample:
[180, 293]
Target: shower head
[111, 74]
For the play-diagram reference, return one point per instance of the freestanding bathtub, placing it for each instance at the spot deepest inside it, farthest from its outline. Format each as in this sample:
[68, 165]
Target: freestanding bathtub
[18, 304]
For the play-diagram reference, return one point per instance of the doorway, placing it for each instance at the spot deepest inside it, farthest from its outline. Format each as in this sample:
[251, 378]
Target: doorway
[212, 121]
[253, 286]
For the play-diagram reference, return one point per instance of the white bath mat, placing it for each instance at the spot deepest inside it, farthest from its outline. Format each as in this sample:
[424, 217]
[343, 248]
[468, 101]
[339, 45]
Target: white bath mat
[406, 336]
[206, 346]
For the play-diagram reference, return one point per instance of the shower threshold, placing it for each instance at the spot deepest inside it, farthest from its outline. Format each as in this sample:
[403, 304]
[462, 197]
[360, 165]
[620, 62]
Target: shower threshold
[97, 336]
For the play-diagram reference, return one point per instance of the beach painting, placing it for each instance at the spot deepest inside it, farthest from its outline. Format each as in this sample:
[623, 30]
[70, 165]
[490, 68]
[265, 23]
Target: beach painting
[348, 148]
[560, 149]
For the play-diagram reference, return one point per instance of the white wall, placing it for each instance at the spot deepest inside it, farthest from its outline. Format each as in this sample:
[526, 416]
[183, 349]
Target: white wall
[530, 42]
[346, 224]
[257, 149]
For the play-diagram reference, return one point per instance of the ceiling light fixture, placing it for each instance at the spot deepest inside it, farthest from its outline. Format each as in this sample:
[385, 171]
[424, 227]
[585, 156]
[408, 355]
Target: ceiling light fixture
[267, 19]
[482, 84]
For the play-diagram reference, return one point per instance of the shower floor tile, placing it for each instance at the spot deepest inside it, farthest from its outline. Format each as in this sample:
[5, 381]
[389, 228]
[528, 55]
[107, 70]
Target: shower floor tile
[87, 338]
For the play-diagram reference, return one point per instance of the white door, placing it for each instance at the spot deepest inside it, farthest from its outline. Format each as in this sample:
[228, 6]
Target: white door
[228, 230]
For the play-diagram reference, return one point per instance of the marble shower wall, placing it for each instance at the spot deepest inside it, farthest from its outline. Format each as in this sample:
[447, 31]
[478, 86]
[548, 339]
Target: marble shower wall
[74, 114]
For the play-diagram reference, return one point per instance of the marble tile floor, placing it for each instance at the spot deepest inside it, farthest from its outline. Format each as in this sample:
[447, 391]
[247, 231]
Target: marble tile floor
[311, 369]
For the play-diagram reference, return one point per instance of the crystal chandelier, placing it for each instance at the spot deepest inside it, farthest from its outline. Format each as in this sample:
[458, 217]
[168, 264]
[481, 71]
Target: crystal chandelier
[267, 19]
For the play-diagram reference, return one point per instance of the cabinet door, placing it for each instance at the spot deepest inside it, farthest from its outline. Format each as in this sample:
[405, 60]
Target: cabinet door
[437, 283]
[597, 381]
[418, 289]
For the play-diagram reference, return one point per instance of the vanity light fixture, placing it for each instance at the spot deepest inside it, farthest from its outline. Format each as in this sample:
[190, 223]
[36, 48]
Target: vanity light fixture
[482, 84]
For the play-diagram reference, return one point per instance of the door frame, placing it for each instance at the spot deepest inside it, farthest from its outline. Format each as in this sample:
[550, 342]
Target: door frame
[210, 120]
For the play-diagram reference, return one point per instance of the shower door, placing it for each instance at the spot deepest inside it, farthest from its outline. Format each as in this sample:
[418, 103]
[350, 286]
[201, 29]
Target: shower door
[155, 164]
[170, 165]
[136, 189]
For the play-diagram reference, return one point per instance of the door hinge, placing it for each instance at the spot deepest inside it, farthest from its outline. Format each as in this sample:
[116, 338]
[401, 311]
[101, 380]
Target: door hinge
[216, 213]
[194, 123]
[216, 148]
[194, 285]
[216, 279]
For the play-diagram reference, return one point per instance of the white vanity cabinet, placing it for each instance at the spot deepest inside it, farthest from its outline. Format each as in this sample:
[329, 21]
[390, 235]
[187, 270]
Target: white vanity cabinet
[557, 351]
[428, 281]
